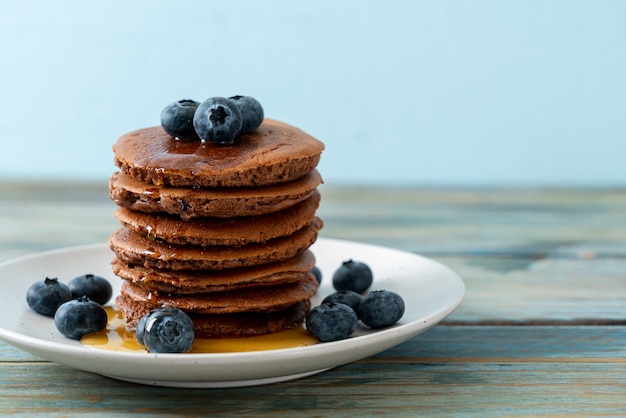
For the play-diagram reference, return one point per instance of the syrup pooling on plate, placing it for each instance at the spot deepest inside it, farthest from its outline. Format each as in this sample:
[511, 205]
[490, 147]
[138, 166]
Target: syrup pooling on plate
[115, 337]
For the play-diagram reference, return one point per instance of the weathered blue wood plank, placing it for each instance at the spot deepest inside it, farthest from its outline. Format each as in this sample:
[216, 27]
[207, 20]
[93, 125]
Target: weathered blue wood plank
[475, 221]
[515, 343]
[360, 389]
[578, 290]
[12, 354]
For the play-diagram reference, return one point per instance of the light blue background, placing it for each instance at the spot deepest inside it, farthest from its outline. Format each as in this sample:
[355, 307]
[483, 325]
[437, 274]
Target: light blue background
[402, 92]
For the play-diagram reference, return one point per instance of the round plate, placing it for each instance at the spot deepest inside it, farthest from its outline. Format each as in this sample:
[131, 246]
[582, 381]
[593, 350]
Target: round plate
[431, 292]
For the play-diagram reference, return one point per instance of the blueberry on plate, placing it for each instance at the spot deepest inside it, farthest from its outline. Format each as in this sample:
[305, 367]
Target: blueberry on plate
[381, 308]
[347, 297]
[218, 120]
[353, 275]
[317, 273]
[94, 287]
[167, 330]
[331, 322]
[46, 296]
[251, 111]
[80, 317]
[140, 329]
[177, 119]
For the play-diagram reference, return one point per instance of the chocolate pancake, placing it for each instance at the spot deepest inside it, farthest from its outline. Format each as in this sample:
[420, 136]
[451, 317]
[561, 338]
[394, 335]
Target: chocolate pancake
[225, 325]
[234, 231]
[132, 248]
[190, 202]
[273, 153]
[262, 299]
[208, 281]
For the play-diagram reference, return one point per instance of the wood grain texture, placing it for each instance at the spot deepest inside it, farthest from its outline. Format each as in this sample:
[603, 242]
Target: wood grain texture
[540, 333]
[521, 222]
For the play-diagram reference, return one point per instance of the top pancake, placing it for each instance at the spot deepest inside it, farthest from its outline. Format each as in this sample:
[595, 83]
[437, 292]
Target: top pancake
[273, 153]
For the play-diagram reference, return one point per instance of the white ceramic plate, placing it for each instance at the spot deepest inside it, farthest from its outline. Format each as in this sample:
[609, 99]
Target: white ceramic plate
[431, 292]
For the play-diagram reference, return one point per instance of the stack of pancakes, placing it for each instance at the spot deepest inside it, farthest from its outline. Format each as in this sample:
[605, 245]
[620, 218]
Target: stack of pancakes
[220, 231]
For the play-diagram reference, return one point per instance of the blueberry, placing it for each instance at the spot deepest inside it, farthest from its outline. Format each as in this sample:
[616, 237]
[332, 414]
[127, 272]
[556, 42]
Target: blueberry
[347, 297]
[251, 111]
[140, 329]
[317, 273]
[177, 119]
[46, 296]
[218, 120]
[80, 317]
[168, 330]
[331, 321]
[353, 275]
[381, 308]
[94, 287]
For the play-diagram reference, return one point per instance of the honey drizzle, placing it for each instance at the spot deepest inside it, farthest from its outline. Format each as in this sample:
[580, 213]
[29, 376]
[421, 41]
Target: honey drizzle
[115, 337]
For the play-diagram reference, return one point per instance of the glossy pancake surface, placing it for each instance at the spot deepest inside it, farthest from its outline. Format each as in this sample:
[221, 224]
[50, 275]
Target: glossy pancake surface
[274, 153]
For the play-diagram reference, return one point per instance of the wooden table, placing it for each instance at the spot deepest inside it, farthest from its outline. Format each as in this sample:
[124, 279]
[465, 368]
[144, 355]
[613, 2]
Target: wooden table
[542, 330]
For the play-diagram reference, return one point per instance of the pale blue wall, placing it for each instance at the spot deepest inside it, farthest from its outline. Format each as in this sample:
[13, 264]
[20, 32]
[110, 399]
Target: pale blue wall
[425, 92]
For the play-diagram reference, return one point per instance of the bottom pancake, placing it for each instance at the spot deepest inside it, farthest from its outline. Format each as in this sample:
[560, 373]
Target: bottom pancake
[244, 324]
